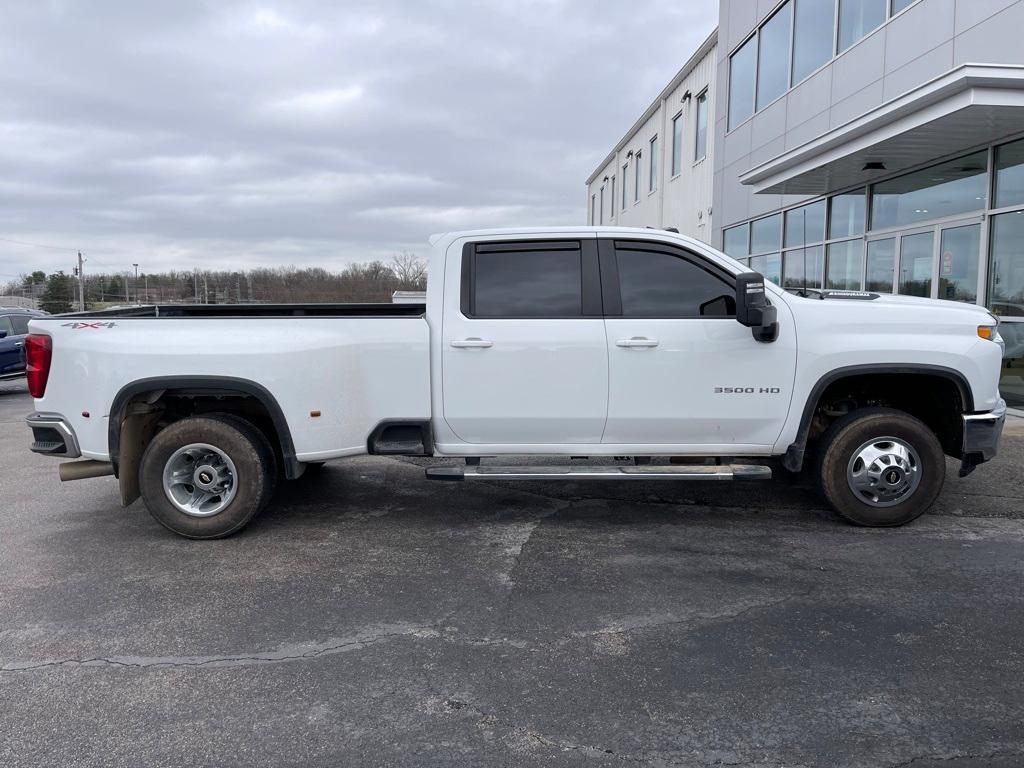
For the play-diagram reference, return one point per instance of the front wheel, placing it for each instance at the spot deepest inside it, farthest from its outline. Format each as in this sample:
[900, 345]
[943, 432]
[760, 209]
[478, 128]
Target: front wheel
[206, 477]
[880, 467]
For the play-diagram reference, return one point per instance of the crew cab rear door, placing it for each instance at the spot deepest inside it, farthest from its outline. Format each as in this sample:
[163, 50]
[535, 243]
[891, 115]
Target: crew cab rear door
[525, 357]
[682, 370]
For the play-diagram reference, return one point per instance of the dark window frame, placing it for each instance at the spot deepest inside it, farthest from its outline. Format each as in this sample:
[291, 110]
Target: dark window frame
[611, 289]
[590, 278]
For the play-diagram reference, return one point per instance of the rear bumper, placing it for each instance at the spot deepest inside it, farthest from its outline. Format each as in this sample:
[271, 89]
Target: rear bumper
[982, 432]
[53, 436]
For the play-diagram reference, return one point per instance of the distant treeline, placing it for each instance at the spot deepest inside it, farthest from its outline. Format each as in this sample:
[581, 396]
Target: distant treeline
[373, 281]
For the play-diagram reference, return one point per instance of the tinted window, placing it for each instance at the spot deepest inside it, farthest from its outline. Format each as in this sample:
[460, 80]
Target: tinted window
[1006, 278]
[959, 186]
[544, 283]
[20, 323]
[1010, 174]
[656, 284]
[5, 325]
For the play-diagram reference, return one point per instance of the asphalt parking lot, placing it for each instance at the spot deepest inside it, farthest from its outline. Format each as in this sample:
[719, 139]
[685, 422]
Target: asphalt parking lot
[370, 617]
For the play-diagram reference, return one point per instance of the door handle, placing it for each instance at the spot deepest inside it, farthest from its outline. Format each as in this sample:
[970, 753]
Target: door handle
[637, 342]
[19, 343]
[472, 343]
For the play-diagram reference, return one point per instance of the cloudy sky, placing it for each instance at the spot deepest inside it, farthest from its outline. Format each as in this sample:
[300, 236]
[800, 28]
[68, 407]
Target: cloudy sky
[220, 134]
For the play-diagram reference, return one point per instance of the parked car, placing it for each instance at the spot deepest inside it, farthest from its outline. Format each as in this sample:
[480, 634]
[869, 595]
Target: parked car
[13, 330]
[578, 342]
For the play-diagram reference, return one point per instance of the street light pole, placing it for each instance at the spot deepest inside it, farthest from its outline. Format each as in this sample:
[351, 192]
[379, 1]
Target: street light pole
[136, 286]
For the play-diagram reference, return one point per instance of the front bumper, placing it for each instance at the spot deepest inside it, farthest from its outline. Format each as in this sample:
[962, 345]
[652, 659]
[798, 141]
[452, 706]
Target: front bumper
[982, 432]
[53, 436]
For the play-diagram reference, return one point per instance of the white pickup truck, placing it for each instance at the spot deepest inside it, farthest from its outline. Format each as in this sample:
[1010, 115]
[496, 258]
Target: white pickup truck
[637, 344]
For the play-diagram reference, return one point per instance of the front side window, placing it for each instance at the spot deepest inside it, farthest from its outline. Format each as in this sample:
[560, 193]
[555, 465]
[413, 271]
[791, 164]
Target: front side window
[813, 30]
[677, 144]
[661, 284]
[773, 57]
[20, 323]
[957, 186]
[742, 74]
[6, 326]
[701, 149]
[652, 173]
[527, 283]
[857, 18]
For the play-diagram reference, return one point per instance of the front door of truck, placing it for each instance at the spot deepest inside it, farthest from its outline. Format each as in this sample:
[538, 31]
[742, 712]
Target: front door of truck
[682, 370]
[524, 358]
[12, 342]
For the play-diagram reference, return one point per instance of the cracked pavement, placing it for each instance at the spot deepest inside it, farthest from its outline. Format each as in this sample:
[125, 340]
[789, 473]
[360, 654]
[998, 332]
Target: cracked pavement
[369, 617]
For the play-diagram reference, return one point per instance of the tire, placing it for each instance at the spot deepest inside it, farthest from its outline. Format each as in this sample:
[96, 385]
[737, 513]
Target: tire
[231, 450]
[903, 476]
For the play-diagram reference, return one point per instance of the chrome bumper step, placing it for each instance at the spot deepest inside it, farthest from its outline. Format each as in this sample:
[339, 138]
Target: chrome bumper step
[647, 472]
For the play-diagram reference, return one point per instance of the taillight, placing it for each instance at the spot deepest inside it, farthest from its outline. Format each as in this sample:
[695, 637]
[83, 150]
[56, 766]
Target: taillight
[38, 352]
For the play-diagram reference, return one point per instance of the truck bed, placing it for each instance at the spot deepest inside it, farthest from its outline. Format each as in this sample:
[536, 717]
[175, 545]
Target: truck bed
[256, 311]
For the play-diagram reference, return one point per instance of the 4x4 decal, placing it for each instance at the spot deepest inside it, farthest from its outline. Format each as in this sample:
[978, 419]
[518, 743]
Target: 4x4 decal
[77, 326]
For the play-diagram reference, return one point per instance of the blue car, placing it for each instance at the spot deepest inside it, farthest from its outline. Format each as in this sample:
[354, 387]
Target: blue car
[13, 329]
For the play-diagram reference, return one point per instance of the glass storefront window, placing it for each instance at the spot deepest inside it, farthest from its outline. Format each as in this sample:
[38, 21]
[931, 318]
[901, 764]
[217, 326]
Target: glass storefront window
[881, 261]
[847, 215]
[958, 263]
[1006, 278]
[766, 234]
[735, 241]
[959, 186]
[806, 224]
[1010, 174]
[1011, 381]
[803, 267]
[769, 265]
[845, 264]
[773, 56]
[742, 75]
[916, 255]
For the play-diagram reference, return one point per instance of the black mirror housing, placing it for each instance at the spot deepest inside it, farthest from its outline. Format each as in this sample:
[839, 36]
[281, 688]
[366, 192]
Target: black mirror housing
[753, 308]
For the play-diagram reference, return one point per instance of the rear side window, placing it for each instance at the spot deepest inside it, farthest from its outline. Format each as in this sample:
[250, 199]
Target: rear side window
[20, 323]
[541, 281]
[667, 285]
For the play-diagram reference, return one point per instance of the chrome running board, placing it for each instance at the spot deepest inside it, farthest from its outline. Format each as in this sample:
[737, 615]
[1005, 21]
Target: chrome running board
[643, 472]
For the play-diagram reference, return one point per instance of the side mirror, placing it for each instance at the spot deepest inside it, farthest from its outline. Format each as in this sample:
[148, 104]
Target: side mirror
[753, 308]
[3, 334]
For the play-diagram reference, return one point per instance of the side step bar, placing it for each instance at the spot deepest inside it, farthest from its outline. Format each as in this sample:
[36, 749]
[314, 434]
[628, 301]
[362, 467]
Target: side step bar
[643, 472]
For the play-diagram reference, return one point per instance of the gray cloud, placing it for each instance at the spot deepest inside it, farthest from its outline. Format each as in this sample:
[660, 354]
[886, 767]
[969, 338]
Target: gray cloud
[227, 134]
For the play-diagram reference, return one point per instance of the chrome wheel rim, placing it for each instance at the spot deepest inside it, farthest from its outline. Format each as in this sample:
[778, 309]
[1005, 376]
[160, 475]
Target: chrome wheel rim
[884, 471]
[200, 480]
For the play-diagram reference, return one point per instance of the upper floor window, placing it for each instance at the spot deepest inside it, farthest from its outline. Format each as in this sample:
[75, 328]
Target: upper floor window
[636, 178]
[742, 78]
[593, 210]
[625, 172]
[899, 5]
[813, 29]
[701, 150]
[652, 172]
[677, 144]
[611, 201]
[773, 56]
[857, 18]
[600, 207]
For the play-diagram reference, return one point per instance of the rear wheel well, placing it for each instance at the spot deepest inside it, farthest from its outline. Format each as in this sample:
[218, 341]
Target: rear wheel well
[141, 412]
[936, 399]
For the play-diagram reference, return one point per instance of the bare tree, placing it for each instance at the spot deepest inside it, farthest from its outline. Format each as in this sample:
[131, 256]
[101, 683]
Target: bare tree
[410, 270]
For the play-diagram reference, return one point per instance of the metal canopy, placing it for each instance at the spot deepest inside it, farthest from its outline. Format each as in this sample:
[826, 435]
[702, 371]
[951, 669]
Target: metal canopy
[968, 107]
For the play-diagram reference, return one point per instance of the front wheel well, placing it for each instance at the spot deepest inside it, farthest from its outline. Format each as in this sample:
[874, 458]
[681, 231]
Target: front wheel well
[937, 399]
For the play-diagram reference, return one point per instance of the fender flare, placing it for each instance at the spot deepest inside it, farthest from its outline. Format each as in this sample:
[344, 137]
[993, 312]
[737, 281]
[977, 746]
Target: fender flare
[793, 460]
[214, 385]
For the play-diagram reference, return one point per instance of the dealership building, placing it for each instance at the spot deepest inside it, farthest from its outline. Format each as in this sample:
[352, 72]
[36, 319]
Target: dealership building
[856, 144]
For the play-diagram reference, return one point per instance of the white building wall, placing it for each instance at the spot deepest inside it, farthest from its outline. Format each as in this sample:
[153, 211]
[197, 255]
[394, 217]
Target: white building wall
[682, 201]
